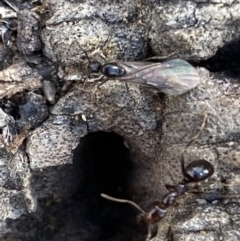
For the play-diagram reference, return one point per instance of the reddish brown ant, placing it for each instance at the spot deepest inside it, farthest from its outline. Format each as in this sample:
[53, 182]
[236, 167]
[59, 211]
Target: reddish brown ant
[195, 171]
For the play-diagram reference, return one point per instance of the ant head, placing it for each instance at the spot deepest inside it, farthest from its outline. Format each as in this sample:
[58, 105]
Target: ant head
[196, 171]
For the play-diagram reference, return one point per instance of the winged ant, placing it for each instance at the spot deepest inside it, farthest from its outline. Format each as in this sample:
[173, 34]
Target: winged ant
[173, 77]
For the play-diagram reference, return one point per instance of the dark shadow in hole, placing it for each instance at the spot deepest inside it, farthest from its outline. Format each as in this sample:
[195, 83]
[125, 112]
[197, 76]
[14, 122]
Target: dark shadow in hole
[225, 60]
[101, 163]
[105, 167]
[104, 164]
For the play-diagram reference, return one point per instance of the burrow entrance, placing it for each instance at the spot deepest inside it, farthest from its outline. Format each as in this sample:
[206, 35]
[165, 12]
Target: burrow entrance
[102, 164]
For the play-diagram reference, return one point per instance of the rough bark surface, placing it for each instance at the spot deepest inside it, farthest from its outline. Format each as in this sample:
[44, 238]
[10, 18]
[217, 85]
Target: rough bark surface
[46, 193]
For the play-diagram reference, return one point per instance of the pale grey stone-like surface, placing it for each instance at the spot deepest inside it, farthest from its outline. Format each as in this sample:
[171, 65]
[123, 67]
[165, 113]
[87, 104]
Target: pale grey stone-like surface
[7, 125]
[49, 149]
[204, 220]
[17, 193]
[218, 143]
[111, 108]
[194, 30]
[28, 40]
[74, 28]
[132, 115]
[191, 30]
[45, 169]
[17, 78]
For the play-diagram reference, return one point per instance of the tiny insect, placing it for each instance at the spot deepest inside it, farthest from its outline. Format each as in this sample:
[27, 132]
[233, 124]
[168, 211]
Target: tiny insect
[196, 171]
[173, 77]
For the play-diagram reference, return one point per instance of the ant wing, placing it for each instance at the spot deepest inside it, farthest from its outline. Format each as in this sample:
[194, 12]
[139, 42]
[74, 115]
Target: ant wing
[173, 77]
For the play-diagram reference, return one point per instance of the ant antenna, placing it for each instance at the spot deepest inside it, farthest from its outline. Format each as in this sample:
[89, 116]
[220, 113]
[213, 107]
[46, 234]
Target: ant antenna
[205, 116]
[122, 201]
[182, 165]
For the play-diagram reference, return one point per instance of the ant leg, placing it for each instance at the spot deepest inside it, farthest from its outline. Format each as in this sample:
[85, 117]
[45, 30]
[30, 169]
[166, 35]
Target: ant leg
[152, 231]
[205, 116]
[97, 79]
[182, 165]
[127, 88]
[140, 218]
[103, 57]
[84, 83]
[186, 177]
[169, 187]
[104, 81]
[198, 188]
[126, 56]
[86, 79]
[169, 56]
[176, 204]
[106, 44]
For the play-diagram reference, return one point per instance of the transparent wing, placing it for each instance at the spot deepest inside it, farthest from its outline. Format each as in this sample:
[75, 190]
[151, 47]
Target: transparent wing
[173, 77]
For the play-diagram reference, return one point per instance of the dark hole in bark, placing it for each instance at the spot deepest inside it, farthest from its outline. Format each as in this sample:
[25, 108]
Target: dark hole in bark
[101, 163]
[225, 60]
[104, 166]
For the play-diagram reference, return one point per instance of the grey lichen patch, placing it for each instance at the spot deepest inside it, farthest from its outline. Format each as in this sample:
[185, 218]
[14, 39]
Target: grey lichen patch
[109, 107]
[63, 43]
[194, 30]
[14, 170]
[33, 111]
[17, 78]
[227, 2]
[50, 151]
[28, 40]
[17, 195]
[111, 13]
[206, 219]
[71, 41]
[42, 143]
[8, 128]
[229, 160]
[201, 236]
[132, 115]
[191, 107]
[233, 182]
[76, 28]
[226, 85]
[217, 143]
[217, 110]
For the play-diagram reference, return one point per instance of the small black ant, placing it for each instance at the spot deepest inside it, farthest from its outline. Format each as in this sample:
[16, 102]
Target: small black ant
[195, 171]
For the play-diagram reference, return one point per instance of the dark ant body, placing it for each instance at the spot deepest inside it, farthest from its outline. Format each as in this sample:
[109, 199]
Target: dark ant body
[196, 171]
[112, 70]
